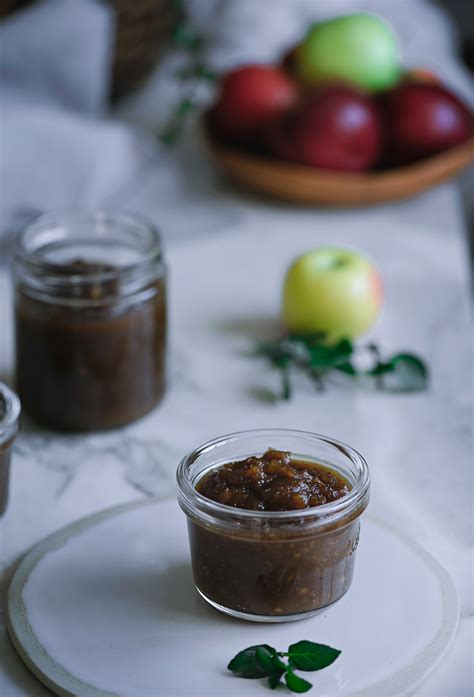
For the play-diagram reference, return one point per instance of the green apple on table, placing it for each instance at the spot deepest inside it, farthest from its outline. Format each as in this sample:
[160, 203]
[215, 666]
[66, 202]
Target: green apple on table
[359, 48]
[331, 290]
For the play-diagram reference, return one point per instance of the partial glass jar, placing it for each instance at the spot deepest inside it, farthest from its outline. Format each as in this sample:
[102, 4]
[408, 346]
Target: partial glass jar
[9, 423]
[273, 566]
[90, 314]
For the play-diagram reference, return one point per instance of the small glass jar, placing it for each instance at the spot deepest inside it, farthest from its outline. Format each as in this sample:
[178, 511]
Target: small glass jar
[9, 423]
[90, 315]
[273, 566]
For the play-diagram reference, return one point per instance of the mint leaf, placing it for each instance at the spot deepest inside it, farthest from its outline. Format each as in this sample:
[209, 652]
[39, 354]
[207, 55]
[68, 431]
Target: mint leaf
[275, 678]
[346, 368]
[406, 373]
[246, 664]
[267, 659]
[308, 353]
[306, 655]
[295, 683]
[262, 661]
[322, 356]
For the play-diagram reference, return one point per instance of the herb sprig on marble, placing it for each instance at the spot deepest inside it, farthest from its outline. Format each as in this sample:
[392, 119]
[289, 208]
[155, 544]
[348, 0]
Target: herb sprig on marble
[307, 353]
[263, 661]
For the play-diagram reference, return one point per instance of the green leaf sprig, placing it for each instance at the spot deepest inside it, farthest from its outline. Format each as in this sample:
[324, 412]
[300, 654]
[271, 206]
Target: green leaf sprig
[191, 44]
[263, 661]
[308, 353]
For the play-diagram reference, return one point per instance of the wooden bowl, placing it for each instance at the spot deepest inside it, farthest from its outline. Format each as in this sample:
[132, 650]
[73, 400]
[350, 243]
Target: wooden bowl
[308, 185]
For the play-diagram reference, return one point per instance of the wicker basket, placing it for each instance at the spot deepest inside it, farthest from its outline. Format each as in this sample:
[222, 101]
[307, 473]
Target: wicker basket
[143, 28]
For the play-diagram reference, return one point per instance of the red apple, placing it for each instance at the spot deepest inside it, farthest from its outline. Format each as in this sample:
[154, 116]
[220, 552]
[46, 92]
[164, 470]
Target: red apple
[422, 119]
[338, 127]
[250, 97]
[424, 75]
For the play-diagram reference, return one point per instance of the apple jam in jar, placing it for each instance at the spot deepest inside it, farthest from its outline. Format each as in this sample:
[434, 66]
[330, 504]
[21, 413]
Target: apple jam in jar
[9, 423]
[273, 520]
[90, 315]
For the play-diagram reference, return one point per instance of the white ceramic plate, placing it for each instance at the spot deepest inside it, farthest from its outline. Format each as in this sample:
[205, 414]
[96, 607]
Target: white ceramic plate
[107, 607]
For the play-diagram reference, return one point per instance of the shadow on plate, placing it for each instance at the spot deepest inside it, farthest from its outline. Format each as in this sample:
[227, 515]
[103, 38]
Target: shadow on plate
[178, 597]
[138, 596]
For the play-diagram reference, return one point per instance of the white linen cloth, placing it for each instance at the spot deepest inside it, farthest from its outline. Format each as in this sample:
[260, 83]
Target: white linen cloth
[57, 148]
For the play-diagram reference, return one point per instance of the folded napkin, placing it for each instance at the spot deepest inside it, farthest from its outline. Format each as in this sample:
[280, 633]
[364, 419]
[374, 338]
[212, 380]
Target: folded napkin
[59, 52]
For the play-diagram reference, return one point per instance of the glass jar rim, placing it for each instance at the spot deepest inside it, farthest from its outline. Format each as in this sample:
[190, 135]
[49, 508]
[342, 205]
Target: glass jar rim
[190, 498]
[69, 217]
[12, 409]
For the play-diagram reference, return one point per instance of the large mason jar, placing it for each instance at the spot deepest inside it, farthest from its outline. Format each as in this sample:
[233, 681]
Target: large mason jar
[90, 314]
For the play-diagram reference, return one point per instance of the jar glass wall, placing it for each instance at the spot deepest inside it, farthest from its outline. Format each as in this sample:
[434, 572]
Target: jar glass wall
[90, 315]
[9, 423]
[273, 566]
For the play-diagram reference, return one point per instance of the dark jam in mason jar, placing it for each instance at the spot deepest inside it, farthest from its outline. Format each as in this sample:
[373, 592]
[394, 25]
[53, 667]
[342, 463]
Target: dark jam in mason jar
[273, 569]
[86, 356]
[273, 482]
[90, 315]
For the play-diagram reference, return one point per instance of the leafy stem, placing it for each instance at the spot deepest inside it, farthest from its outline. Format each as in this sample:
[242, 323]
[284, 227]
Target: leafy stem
[191, 45]
[263, 661]
[400, 372]
[378, 375]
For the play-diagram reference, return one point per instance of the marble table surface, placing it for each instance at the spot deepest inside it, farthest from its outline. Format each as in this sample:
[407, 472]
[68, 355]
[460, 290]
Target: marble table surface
[419, 446]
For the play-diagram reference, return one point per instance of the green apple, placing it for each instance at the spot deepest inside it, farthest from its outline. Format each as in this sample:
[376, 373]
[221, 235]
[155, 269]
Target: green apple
[331, 290]
[360, 48]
